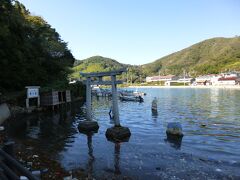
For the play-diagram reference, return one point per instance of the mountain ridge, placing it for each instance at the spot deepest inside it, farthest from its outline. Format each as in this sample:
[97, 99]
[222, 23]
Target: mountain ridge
[200, 58]
[209, 56]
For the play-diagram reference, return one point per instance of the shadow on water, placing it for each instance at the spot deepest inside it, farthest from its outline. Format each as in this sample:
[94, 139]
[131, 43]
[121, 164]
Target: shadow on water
[174, 142]
[50, 130]
[117, 148]
[116, 159]
[91, 157]
[154, 114]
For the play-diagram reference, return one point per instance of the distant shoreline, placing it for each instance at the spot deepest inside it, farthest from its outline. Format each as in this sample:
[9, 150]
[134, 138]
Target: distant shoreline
[193, 87]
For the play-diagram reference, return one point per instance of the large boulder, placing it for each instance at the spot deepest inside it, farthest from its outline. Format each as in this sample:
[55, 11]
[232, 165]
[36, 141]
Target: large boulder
[4, 112]
[88, 127]
[118, 134]
[174, 129]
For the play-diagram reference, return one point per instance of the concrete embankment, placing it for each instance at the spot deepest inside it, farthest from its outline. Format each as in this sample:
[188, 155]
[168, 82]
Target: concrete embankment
[193, 87]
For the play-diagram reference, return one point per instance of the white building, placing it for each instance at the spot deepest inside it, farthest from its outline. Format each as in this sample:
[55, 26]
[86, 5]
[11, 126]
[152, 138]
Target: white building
[218, 79]
[230, 74]
[214, 80]
[186, 81]
[204, 80]
[226, 81]
[161, 78]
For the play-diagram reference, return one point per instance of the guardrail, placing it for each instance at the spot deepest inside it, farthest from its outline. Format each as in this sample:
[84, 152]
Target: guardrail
[10, 168]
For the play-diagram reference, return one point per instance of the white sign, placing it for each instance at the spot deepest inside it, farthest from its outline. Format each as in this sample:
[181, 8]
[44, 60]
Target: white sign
[33, 92]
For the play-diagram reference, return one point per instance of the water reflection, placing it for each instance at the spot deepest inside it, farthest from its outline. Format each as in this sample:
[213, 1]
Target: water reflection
[210, 122]
[34, 129]
[91, 158]
[117, 158]
[174, 142]
[51, 129]
[214, 102]
[154, 114]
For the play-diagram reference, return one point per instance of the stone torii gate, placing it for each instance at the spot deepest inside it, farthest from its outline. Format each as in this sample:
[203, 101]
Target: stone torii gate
[113, 83]
[117, 131]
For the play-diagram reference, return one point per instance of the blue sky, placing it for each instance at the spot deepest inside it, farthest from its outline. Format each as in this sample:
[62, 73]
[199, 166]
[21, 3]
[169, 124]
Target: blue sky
[137, 31]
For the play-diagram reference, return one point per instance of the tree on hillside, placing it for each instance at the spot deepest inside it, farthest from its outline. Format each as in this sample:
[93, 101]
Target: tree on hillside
[31, 51]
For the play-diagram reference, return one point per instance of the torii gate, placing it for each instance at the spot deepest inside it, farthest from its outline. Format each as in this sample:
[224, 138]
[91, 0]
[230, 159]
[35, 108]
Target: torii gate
[113, 82]
[90, 125]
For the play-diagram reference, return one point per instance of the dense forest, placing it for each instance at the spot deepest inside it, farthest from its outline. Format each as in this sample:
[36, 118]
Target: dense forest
[31, 51]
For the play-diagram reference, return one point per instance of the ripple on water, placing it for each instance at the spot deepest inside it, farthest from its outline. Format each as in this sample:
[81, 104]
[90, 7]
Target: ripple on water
[211, 125]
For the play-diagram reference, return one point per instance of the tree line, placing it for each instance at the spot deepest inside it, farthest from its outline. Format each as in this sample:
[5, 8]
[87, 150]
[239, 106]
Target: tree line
[31, 51]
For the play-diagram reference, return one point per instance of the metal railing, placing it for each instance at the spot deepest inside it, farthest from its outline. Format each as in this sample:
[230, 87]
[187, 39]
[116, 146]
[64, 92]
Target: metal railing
[10, 168]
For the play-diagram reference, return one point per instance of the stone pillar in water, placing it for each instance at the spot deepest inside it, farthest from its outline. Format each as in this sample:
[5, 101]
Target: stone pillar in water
[88, 99]
[115, 101]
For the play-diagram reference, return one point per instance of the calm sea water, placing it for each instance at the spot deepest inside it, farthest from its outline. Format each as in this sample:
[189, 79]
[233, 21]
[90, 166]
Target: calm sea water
[209, 149]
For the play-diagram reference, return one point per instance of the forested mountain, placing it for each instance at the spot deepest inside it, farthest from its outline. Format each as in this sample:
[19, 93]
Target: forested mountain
[209, 56]
[101, 64]
[31, 51]
[97, 64]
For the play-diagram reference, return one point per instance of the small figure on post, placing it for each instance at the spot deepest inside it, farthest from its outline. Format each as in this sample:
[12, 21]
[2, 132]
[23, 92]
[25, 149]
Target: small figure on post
[111, 115]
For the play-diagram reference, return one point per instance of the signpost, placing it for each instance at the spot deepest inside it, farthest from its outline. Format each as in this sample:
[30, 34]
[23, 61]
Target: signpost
[32, 92]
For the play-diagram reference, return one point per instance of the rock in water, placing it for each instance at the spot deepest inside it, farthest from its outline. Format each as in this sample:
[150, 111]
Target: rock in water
[154, 104]
[4, 112]
[88, 126]
[118, 134]
[174, 129]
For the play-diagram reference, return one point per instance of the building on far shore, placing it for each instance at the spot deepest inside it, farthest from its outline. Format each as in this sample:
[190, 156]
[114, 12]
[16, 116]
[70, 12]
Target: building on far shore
[161, 78]
[181, 81]
[231, 78]
[226, 81]
[169, 80]
[222, 79]
[205, 80]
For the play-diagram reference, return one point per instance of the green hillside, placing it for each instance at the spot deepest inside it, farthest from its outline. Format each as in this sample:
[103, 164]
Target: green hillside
[96, 64]
[209, 56]
[101, 64]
